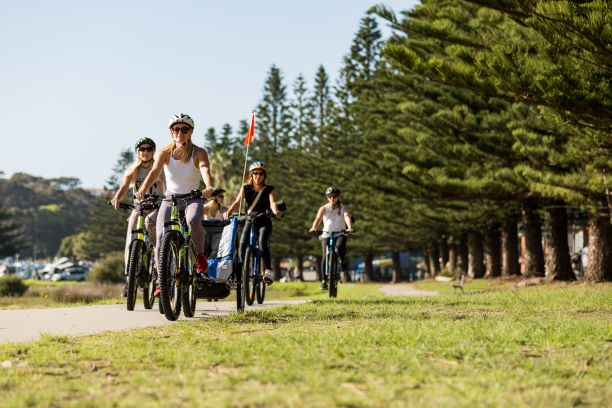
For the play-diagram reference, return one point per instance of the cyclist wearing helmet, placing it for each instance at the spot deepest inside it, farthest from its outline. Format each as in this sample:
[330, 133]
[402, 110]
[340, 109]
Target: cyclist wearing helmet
[184, 165]
[336, 218]
[214, 209]
[134, 176]
[257, 187]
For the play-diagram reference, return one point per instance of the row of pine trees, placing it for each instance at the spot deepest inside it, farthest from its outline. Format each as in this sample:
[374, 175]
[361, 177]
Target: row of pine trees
[477, 122]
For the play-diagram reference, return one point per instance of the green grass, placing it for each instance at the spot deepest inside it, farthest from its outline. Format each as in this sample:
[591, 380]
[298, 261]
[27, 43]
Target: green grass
[538, 346]
[44, 294]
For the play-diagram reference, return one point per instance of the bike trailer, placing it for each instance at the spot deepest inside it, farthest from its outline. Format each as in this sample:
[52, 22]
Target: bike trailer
[221, 243]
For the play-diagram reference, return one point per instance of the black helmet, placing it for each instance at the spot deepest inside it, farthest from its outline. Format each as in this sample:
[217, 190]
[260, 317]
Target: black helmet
[144, 140]
[332, 191]
[216, 191]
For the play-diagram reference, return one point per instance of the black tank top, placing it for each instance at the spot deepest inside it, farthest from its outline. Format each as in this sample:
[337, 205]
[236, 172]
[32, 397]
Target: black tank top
[264, 201]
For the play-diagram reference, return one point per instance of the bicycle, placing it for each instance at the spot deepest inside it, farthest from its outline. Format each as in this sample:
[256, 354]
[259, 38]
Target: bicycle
[253, 285]
[331, 266]
[178, 262]
[141, 267]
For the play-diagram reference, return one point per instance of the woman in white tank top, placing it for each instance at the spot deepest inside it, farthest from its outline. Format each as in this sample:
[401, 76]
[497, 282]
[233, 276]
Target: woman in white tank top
[214, 209]
[336, 218]
[184, 165]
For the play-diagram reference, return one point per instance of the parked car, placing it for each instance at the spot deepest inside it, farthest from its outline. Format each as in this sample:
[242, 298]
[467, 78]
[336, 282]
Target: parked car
[72, 273]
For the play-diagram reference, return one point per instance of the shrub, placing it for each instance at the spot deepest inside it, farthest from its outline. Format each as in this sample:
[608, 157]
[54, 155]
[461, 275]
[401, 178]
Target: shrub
[85, 292]
[12, 286]
[109, 269]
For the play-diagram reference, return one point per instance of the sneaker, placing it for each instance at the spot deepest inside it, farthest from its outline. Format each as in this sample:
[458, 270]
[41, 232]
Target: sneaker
[202, 278]
[157, 291]
[201, 263]
[268, 277]
[323, 285]
[124, 291]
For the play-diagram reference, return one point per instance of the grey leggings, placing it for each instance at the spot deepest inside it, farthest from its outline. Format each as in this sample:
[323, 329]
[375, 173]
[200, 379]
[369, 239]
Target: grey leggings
[193, 214]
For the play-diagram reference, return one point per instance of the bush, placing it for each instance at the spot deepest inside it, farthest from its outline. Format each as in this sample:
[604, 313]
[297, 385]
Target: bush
[85, 292]
[109, 269]
[12, 286]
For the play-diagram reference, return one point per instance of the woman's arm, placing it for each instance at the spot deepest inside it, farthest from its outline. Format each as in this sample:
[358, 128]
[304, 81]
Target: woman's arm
[158, 167]
[347, 220]
[235, 204]
[317, 219]
[126, 180]
[204, 167]
[273, 206]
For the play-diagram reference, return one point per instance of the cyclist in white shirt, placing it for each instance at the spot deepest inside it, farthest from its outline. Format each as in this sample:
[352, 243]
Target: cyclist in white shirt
[336, 218]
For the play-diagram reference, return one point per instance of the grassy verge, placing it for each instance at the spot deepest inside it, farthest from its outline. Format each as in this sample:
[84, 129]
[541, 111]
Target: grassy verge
[538, 346]
[43, 294]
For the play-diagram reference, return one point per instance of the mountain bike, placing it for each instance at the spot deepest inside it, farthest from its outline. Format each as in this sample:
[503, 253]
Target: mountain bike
[178, 262]
[141, 268]
[331, 263]
[253, 285]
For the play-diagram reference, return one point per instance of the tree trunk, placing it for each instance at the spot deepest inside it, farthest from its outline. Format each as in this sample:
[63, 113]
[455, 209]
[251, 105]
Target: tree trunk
[369, 268]
[318, 260]
[557, 256]
[462, 256]
[475, 265]
[599, 267]
[277, 268]
[452, 256]
[434, 261]
[492, 252]
[510, 256]
[396, 275]
[443, 249]
[427, 265]
[299, 269]
[533, 258]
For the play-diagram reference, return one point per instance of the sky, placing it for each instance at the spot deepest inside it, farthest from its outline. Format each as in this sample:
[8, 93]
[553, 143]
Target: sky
[80, 81]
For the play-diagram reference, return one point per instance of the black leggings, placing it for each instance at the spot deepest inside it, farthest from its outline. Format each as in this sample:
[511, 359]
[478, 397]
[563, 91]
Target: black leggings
[263, 226]
[341, 246]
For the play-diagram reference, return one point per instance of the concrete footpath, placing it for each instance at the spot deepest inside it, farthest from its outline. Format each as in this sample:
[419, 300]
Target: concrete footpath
[29, 324]
[405, 289]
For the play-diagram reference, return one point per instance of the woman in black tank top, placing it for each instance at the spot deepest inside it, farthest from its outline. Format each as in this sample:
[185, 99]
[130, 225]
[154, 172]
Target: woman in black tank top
[258, 197]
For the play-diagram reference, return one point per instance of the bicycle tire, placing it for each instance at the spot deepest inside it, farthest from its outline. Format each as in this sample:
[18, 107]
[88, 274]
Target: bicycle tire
[189, 296]
[170, 295]
[239, 294]
[247, 276]
[148, 299]
[260, 290]
[333, 279]
[134, 264]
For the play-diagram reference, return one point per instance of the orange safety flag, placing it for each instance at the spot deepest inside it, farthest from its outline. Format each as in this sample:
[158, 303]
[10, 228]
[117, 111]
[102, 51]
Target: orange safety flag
[251, 134]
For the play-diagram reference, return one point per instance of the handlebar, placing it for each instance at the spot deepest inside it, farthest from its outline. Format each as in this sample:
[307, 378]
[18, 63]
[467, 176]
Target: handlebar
[334, 234]
[191, 194]
[151, 201]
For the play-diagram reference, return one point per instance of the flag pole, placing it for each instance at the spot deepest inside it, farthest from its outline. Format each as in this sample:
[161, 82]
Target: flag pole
[247, 141]
[246, 158]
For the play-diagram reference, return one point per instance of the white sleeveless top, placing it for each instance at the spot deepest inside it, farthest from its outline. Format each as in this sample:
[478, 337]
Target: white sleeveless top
[157, 188]
[218, 216]
[181, 177]
[333, 220]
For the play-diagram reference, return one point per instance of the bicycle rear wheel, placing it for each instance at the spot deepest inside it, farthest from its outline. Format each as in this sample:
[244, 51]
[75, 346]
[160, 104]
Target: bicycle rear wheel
[170, 295]
[248, 284]
[134, 265]
[189, 296]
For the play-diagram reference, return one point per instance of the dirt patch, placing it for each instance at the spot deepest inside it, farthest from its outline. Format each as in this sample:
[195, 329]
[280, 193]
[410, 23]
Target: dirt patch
[404, 289]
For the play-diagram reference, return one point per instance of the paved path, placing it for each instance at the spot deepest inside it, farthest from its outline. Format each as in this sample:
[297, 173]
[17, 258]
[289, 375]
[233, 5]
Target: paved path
[405, 289]
[29, 324]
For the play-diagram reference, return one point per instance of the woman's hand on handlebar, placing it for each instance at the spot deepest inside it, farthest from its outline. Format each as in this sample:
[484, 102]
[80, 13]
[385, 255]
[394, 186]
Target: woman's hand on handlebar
[207, 192]
[115, 203]
[140, 195]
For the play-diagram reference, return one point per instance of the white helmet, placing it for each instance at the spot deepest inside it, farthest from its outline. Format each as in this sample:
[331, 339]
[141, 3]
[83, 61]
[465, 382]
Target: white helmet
[181, 118]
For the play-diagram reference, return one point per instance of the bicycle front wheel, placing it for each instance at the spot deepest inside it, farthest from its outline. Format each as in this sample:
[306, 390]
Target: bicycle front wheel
[134, 265]
[189, 296]
[248, 284]
[148, 299]
[170, 296]
[333, 275]
[260, 290]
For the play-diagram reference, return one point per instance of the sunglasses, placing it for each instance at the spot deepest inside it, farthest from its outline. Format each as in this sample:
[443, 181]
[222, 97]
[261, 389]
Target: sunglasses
[145, 149]
[184, 129]
[220, 196]
[258, 173]
[332, 196]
